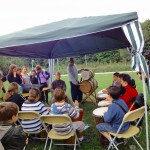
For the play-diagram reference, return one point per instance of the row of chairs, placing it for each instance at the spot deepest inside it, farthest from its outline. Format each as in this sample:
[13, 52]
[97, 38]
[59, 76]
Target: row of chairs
[50, 120]
[61, 119]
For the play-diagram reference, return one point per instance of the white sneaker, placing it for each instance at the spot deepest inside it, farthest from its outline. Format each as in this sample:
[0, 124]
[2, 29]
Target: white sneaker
[86, 127]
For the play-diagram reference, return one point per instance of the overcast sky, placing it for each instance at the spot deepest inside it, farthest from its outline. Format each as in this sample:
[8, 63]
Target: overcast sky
[20, 14]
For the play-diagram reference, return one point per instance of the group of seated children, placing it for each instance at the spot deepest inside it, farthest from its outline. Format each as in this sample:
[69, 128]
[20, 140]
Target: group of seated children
[9, 115]
[112, 118]
[127, 86]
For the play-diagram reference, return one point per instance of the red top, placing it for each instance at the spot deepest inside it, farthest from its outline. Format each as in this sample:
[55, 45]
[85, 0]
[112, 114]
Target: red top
[129, 95]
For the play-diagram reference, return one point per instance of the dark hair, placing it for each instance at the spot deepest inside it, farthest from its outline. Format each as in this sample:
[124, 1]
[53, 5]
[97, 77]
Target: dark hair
[19, 68]
[11, 67]
[33, 71]
[33, 93]
[7, 110]
[59, 94]
[114, 92]
[128, 79]
[116, 74]
[120, 75]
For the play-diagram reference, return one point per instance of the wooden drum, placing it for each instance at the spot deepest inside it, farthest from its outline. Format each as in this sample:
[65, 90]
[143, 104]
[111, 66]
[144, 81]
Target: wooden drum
[87, 85]
[98, 118]
[80, 116]
[98, 114]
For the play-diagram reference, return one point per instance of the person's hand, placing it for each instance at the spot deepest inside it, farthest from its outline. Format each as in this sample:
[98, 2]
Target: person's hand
[27, 141]
[14, 74]
[78, 85]
[76, 102]
[104, 91]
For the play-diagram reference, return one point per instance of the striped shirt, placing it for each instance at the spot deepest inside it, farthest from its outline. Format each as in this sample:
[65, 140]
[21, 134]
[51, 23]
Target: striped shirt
[64, 108]
[35, 124]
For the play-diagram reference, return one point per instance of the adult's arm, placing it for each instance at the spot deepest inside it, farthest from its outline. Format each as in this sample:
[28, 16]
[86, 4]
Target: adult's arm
[47, 75]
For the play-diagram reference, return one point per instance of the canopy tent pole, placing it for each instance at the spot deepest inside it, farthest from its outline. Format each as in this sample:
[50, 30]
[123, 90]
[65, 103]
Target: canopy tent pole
[51, 69]
[146, 116]
[134, 35]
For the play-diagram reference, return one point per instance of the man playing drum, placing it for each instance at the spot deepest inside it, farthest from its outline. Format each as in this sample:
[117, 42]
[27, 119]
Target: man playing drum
[73, 79]
[113, 117]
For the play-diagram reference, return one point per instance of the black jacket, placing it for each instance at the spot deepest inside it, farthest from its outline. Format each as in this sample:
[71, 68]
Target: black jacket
[13, 138]
[16, 79]
[18, 99]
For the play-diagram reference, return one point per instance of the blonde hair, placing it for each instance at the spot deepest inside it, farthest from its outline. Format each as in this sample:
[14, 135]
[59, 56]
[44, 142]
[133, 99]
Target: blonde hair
[11, 90]
[38, 67]
[33, 93]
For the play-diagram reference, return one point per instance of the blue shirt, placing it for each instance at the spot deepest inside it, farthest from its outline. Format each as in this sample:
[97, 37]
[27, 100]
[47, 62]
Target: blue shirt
[115, 114]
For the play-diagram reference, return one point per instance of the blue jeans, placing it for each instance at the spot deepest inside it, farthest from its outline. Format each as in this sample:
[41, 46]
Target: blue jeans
[76, 94]
[104, 127]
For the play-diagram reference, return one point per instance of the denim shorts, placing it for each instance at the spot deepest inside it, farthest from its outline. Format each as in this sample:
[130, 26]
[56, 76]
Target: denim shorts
[104, 127]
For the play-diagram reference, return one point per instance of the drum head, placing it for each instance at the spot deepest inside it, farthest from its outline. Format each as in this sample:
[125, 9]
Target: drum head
[100, 111]
[104, 103]
[85, 75]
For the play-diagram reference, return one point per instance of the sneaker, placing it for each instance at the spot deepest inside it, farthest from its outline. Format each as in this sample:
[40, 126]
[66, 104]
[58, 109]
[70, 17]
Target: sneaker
[86, 127]
[85, 139]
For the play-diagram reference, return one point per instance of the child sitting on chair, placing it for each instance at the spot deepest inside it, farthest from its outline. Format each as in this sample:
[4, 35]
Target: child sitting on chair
[33, 104]
[60, 106]
[12, 137]
[113, 117]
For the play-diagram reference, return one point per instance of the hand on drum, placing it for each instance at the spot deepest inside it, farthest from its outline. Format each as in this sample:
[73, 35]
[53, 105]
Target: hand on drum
[104, 91]
[76, 102]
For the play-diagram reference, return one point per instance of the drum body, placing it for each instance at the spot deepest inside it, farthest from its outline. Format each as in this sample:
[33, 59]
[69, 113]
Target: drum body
[87, 86]
[87, 74]
[80, 116]
[98, 115]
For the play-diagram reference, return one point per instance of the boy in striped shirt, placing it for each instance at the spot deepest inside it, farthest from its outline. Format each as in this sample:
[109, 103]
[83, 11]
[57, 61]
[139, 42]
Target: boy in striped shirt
[61, 107]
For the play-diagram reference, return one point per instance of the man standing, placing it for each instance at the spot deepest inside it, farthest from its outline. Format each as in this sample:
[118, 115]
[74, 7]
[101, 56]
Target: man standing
[43, 76]
[73, 79]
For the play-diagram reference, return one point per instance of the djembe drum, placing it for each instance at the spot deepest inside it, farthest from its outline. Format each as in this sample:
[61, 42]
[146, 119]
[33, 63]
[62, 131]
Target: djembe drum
[98, 118]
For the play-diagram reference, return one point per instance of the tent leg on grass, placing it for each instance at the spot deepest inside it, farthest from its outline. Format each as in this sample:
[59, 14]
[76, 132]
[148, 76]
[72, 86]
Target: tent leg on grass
[146, 116]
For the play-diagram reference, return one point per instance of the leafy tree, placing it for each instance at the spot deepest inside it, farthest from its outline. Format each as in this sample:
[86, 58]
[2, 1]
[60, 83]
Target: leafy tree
[146, 32]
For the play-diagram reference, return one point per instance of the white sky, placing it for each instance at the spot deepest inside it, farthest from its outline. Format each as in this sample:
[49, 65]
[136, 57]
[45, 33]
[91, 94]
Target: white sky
[20, 14]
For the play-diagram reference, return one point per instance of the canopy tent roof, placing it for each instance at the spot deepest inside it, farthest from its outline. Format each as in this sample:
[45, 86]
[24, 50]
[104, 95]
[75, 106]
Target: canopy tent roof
[70, 37]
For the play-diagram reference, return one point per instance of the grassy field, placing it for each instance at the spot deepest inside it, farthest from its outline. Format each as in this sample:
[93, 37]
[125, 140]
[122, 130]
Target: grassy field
[104, 80]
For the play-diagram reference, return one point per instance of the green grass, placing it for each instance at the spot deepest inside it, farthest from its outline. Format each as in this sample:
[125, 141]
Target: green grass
[104, 80]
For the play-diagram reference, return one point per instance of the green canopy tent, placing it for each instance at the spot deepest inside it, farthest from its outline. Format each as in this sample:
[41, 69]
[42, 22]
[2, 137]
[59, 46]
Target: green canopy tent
[80, 36]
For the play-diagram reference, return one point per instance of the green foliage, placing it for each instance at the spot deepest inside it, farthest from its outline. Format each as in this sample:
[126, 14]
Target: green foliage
[146, 32]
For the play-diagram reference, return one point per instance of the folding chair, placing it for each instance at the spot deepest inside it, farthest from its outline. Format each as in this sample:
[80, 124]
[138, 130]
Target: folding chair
[30, 115]
[58, 119]
[133, 129]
